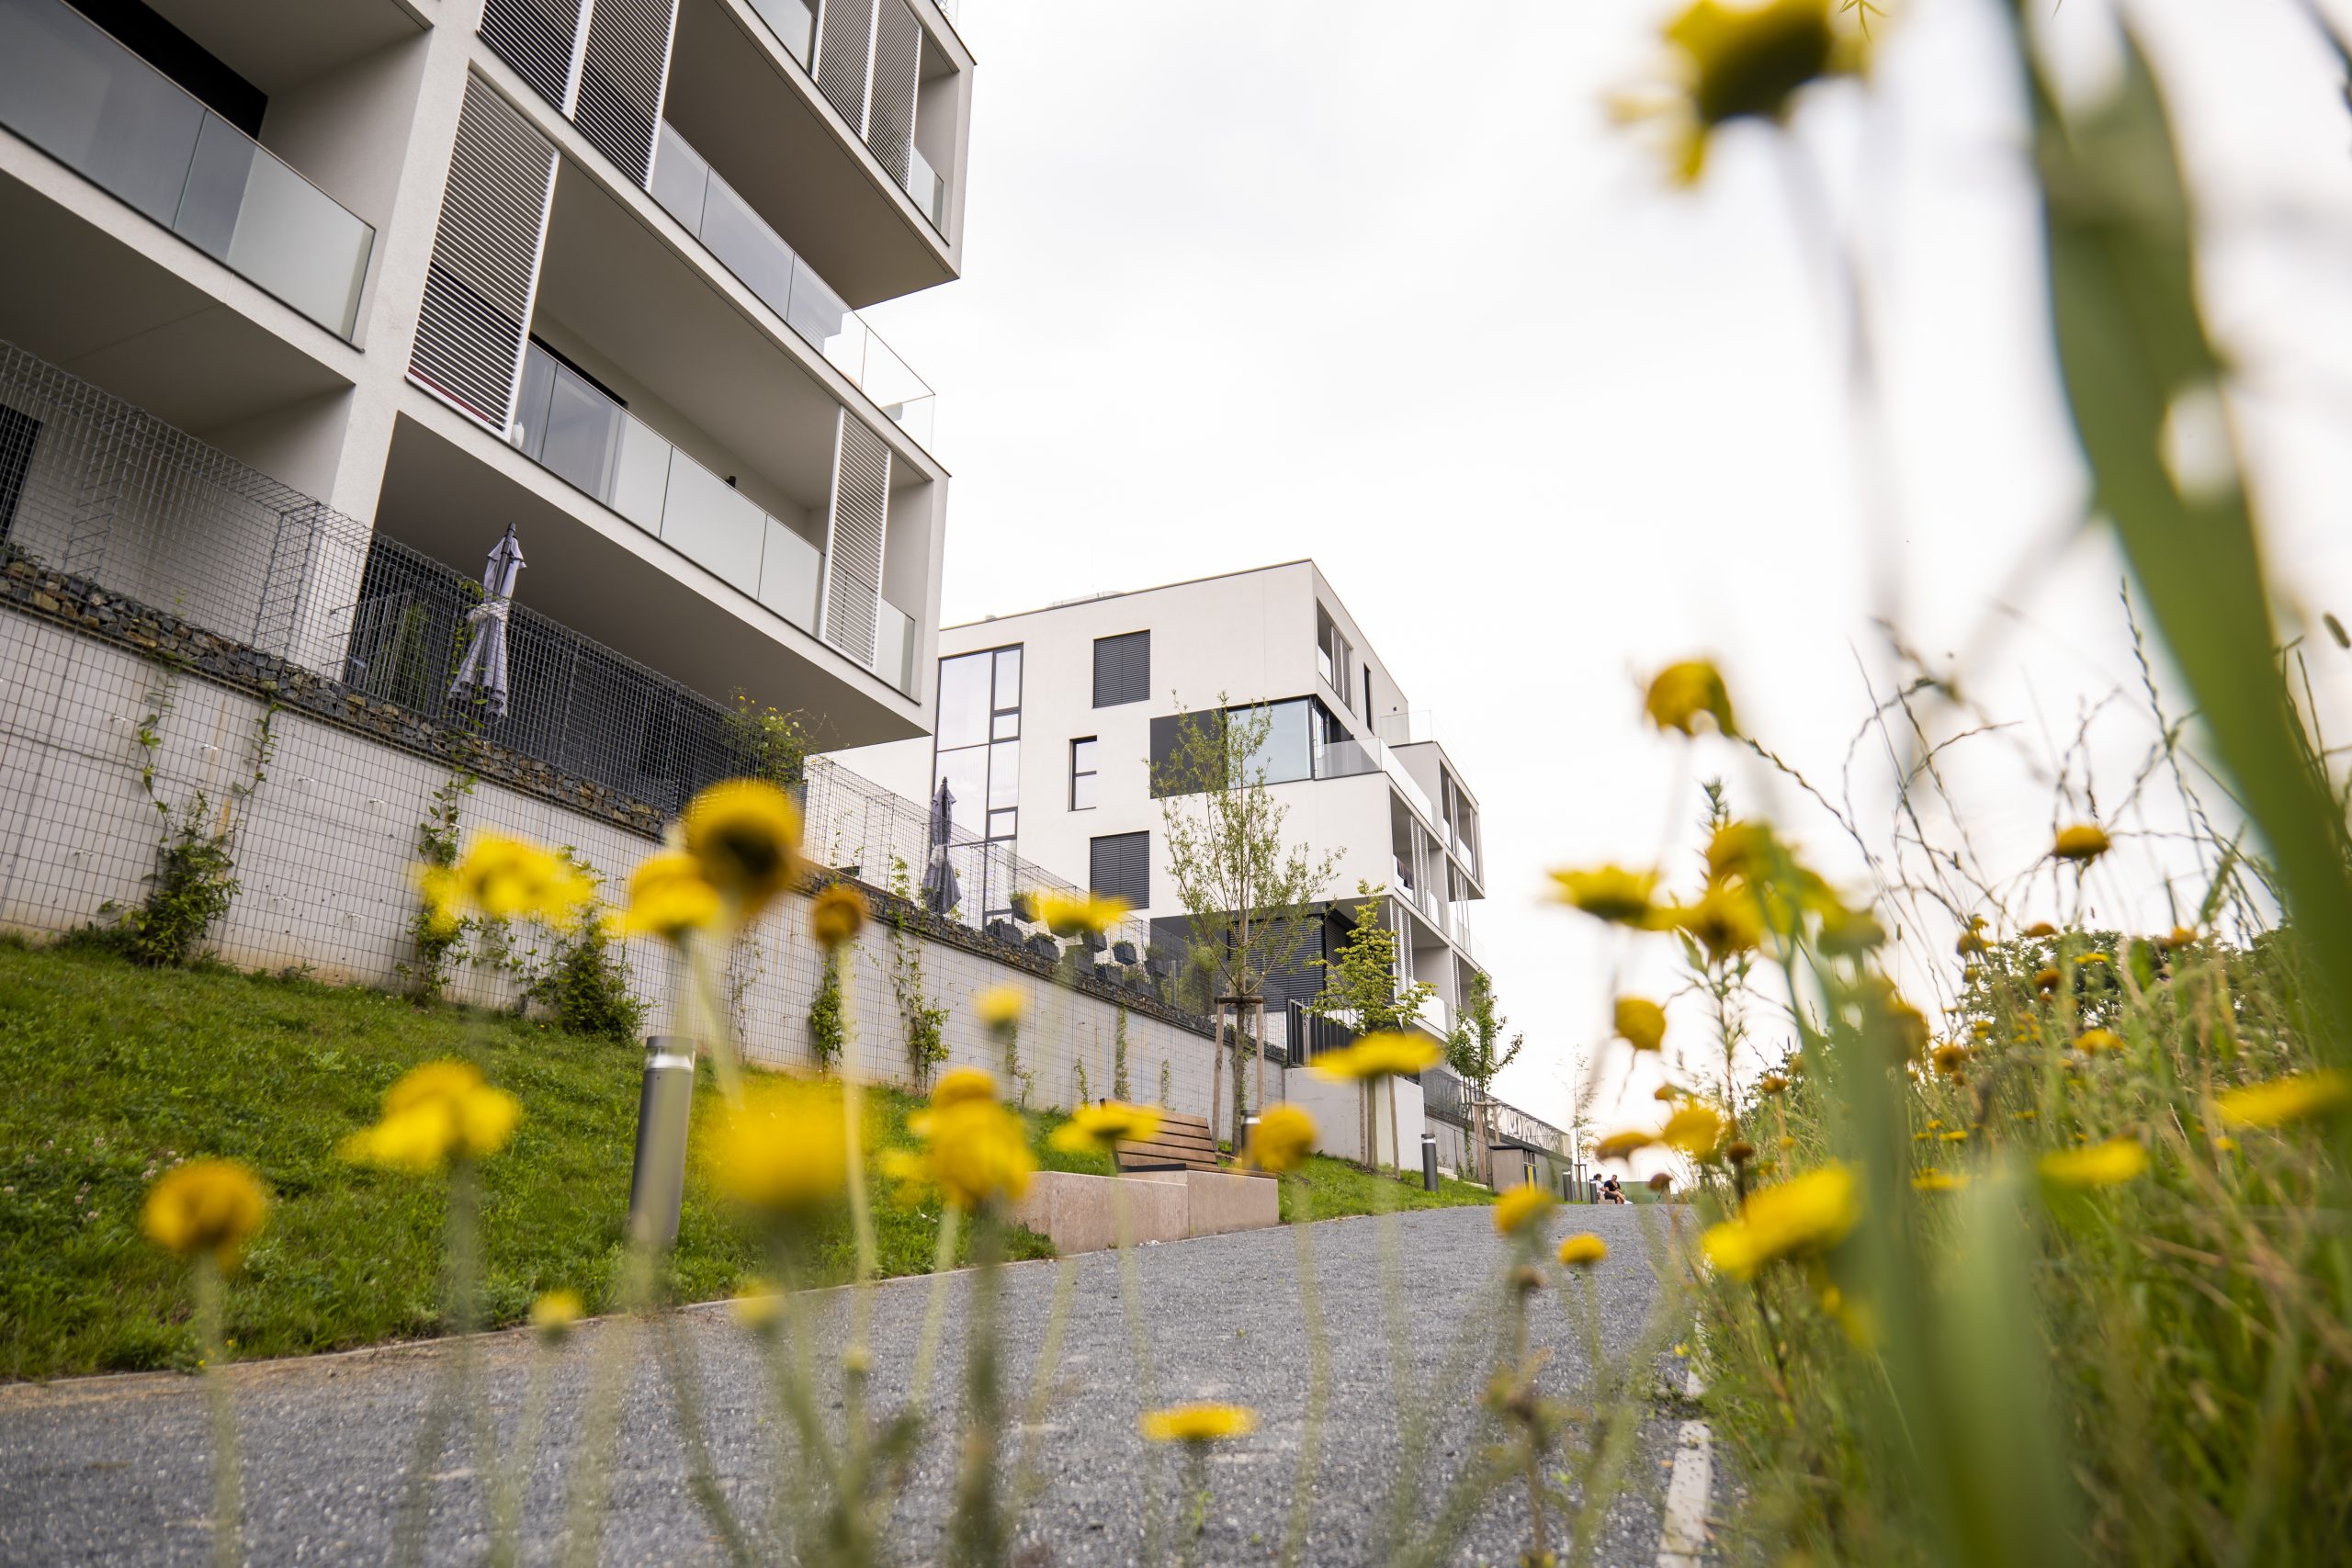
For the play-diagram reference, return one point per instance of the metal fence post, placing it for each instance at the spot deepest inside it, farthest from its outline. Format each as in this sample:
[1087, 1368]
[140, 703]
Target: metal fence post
[657, 1186]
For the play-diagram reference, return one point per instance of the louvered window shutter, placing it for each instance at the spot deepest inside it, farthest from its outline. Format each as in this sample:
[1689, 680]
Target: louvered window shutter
[539, 39]
[1121, 867]
[844, 39]
[1122, 669]
[485, 267]
[624, 68]
[861, 514]
[897, 72]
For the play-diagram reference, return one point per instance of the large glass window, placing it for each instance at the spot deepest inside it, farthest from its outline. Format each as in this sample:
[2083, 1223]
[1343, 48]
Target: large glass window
[978, 741]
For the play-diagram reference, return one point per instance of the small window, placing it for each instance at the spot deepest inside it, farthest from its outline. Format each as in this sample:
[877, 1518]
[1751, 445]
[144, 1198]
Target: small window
[1334, 659]
[1121, 867]
[1081, 775]
[1122, 669]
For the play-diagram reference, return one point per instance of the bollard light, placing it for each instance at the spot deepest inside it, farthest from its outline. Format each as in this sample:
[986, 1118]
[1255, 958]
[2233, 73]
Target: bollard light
[1429, 1162]
[657, 1186]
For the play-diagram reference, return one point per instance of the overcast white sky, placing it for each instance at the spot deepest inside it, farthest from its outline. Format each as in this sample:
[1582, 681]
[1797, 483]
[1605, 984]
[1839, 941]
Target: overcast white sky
[1379, 284]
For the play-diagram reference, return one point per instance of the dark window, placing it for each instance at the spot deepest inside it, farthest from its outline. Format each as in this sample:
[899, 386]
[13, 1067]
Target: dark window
[1122, 669]
[18, 433]
[1081, 775]
[1167, 731]
[1122, 867]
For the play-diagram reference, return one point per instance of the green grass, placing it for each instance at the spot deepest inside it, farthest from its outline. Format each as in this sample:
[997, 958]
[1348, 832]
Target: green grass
[1338, 1187]
[118, 1069]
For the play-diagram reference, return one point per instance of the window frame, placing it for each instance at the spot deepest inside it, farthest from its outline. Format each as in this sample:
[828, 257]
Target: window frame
[1092, 772]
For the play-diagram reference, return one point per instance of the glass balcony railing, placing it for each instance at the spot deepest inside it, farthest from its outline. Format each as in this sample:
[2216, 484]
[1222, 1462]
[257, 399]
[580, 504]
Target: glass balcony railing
[695, 194]
[927, 189]
[793, 22]
[71, 90]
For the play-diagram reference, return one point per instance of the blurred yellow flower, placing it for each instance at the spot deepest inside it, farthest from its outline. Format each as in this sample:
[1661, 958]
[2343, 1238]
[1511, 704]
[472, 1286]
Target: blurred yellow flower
[757, 1306]
[554, 1314]
[437, 1113]
[1667, 1093]
[1617, 1146]
[1801, 1217]
[1748, 60]
[1681, 695]
[1939, 1180]
[836, 915]
[1096, 1129]
[1696, 1129]
[1521, 1210]
[2180, 936]
[1583, 1250]
[1382, 1056]
[746, 834]
[502, 878]
[999, 1007]
[1199, 1423]
[1956, 1136]
[2091, 1042]
[2298, 1098]
[2039, 931]
[1949, 1058]
[1771, 1083]
[783, 1148]
[205, 1208]
[2100, 1165]
[2047, 980]
[975, 1151]
[1077, 914]
[1609, 893]
[668, 898]
[1727, 920]
[1643, 1023]
[1283, 1139]
[1741, 849]
[1973, 939]
[2084, 841]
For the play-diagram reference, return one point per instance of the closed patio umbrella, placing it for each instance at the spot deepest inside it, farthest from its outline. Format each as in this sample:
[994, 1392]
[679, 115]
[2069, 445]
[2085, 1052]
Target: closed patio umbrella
[485, 662]
[941, 892]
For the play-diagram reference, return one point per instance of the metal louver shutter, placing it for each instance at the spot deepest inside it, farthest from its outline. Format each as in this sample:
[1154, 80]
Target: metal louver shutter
[844, 34]
[485, 267]
[623, 69]
[1122, 669]
[853, 535]
[1121, 867]
[897, 71]
[536, 37]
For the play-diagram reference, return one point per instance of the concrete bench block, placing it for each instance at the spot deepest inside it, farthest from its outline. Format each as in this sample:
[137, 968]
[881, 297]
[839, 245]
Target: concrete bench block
[1078, 1214]
[1226, 1201]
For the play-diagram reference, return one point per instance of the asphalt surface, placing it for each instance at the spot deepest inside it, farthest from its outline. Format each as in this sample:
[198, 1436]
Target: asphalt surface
[115, 1470]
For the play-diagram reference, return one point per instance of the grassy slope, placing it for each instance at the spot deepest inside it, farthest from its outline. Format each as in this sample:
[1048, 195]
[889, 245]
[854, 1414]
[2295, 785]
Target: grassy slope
[1342, 1186]
[114, 1068]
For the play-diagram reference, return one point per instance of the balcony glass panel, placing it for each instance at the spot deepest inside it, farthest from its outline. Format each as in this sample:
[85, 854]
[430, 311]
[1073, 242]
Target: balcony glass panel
[70, 89]
[710, 521]
[699, 199]
[927, 189]
[789, 574]
[794, 23]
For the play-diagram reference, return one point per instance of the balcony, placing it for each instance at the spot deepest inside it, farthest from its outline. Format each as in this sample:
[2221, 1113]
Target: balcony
[1345, 759]
[697, 197]
[68, 88]
[567, 425]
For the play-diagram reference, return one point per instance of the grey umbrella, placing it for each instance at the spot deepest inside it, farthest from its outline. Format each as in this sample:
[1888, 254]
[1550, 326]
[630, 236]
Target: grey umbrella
[940, 890]
[485, 662]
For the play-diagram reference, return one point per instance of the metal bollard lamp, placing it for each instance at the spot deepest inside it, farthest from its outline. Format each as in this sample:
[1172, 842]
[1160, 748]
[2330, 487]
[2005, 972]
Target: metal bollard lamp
[657, 1187]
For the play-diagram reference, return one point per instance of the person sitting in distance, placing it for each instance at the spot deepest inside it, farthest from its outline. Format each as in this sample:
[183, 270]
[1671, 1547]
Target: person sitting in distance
[1611, 1191]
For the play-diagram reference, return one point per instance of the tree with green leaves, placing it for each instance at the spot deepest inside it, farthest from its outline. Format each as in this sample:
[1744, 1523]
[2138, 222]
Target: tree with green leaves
[1363, 989]
[1248, 894]
[1475, 1052]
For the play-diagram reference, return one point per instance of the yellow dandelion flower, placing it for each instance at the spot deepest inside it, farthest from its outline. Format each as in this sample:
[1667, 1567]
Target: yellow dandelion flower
[2047, 980]
[783, 1149]
[554, 1314]
[1642, 1023]
[1787, 1141]
[2082, 842]
[1097, 1129]
[836, 915]
[1940, 1181]
[2227, 1145]
[2299, 1098]
[1743, 850]
[975, 1151]
[1283, 1139]
[2091, 1042]
[504, 878]
[2108, 1164]
[1521, 1210]
[437, 1113]
[1617, 1146]
[746, 834]
[1609, 893]
[1971, 939]
[1982, 1028]
[959, 1084]
[1000, 1007]
[205, 1208]
[1696, 1129]
[668, 898]
[1956, 1136]
[1771, 1083]
[1727, 921]
[1583, 1250]
[1077, 914]
[1951, 1058]
[1667, 1093]
[1382, 1056]
[1801, 1217]
[2039, 931]
[2180, 936]
[757, 1306]
[2094, 958]
[1681, 695]
[1748, 60]
[1199, 1423]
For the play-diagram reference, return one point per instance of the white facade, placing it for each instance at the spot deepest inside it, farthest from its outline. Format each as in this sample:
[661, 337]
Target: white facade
[587, 268]
[1373, 787]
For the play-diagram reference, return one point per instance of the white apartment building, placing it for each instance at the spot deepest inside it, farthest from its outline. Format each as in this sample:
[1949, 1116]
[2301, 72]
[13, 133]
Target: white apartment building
[1049, 723]
[414, 273]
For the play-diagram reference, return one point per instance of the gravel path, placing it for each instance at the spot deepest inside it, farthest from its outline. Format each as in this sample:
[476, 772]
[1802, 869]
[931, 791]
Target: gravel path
[114, 1469]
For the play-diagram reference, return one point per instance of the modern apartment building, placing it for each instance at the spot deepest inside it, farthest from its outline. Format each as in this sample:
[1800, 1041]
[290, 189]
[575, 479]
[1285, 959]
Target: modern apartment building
[422, 272]
[1053, 725]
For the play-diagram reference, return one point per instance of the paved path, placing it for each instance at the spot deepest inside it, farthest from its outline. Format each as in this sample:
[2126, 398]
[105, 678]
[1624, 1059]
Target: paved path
[114, 1469]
